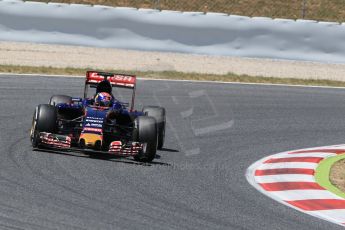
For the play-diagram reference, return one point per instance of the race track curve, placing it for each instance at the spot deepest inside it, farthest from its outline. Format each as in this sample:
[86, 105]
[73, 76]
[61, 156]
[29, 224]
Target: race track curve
[214, 132]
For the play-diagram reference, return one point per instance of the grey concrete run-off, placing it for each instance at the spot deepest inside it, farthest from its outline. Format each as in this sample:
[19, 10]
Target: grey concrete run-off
[188, 32]
[214, 132]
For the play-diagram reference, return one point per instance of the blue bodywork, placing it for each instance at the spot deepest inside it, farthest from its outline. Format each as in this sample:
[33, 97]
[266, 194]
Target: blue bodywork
[94, 119]
[81, 104]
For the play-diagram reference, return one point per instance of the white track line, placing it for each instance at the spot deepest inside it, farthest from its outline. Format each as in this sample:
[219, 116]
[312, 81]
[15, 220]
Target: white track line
[192, 81]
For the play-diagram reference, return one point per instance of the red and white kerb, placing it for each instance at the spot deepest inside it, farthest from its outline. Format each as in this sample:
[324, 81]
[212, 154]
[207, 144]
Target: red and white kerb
[289, 179]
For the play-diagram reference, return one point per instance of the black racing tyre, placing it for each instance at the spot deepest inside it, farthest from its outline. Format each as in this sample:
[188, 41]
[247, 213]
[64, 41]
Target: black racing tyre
[44, 120]
[58, 99]
[159, 114]
[145, 131]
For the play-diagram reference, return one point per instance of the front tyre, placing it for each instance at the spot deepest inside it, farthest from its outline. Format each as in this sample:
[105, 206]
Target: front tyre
[145, 132]
[44, 120]
[60, 99]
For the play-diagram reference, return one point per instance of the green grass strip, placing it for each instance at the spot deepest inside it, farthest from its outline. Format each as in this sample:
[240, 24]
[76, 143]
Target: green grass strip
[331, 10]
[229, 77]
[323, 171]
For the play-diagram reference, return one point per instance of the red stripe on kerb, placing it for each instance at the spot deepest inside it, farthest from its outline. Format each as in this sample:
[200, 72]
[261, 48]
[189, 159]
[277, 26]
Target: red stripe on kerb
[336, 151]
[283, 186]
[318, 204]
[266, 172]
[295, 159]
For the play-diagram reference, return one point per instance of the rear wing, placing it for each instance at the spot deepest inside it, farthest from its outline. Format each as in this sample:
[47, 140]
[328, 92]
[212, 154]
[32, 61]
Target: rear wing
[116, 80]
[93, 78]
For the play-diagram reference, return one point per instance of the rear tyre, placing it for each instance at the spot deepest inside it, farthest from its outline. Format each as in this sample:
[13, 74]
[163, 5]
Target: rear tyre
[44, 120]
[145, 132]
[60, 99]
[159, 114]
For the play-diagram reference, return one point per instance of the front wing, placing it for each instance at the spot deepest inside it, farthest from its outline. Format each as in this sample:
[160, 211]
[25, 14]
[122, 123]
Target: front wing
[61, 142]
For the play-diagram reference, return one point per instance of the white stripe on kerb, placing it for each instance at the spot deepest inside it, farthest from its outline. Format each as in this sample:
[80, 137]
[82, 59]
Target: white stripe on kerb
[291, 195]
[285, 178]
[304, 165]
[314, 154]
[336, 215]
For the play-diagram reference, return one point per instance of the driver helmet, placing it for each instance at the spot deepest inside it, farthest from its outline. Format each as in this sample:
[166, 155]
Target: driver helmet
[103, 99]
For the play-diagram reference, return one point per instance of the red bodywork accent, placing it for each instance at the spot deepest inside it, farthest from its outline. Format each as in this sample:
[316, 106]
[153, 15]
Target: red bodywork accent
[52, 140]
[96, 130]
[117, 148]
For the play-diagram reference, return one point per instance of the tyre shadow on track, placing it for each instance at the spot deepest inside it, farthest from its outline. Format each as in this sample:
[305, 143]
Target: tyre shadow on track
[169, 150]
[106, 157]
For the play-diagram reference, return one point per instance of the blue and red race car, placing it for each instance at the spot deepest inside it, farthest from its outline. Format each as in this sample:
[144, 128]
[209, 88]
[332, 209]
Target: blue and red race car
[100, 123]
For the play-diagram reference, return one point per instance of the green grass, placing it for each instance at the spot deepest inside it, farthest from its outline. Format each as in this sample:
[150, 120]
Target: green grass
[323, 10]
[230, 77]
[322, 174]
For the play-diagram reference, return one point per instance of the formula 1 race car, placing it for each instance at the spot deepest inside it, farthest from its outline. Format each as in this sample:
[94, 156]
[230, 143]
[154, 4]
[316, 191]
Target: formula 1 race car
[100, 123]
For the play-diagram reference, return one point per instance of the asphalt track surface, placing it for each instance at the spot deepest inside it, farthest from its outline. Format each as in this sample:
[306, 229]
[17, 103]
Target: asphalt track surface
[214, 132]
